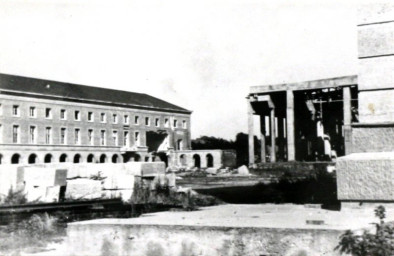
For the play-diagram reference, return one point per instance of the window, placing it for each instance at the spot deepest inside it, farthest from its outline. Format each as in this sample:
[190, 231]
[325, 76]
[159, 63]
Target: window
[103, 117]
[15, 134]
[175, 123]
[157, 122]
[48, 113]
[90, 116]
[63, 115]
[15, 110]
[126, 119]
[32, 135]
[77, 115]
[115, 137]
[115, 118]
[126, 139]
[166, 122]
[137, 138]
[48, 135]
[184, 124]
[32, 112]
[63, 136]
[102, 138]
[136, 119]
[90, 137]
[77, 136]
[147, 121]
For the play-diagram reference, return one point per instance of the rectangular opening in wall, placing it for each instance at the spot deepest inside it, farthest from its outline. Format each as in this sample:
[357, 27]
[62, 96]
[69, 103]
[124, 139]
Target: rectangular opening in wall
[103, 117]
[115, 138]
[184, 124]
[63, 114]
[90, 116]
[15, 134]
[156, 141]
[147, 121]
[48, 113]
[48, 135]
[15, 110]
[77, 115]
[166, 122]
[126, 119]
[102, 138]
[63, 136]
[175, 123]
[126, 139]
[32, 135]
[136, 120]
[77, 136]
[90, 137]
[137, 138]
[157, 122]
[115, 118]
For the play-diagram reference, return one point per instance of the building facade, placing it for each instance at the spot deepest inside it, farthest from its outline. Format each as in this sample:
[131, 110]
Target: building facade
[45, 121]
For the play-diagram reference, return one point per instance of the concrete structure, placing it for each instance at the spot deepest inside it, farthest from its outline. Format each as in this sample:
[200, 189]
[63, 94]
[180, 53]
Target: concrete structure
[306, 121]
[45, 121]
[368, 175]
[280, 230]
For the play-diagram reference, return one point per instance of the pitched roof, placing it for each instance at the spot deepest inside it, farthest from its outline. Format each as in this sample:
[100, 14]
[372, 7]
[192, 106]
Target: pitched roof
[82, 93]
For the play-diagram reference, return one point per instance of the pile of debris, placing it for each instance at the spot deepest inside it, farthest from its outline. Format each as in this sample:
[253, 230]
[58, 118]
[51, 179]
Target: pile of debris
[207, 172]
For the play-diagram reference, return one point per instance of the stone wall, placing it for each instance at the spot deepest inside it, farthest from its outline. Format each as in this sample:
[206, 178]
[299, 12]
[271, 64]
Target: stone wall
[366, 177]
[158, 240]
[186, 158]
[372, 138]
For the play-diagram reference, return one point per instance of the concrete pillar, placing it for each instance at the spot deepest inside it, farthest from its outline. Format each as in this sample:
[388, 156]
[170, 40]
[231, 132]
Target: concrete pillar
[347, 119]
[250, 133]
[280, 138]
[262, 139]
[273, 135]
[290, 125]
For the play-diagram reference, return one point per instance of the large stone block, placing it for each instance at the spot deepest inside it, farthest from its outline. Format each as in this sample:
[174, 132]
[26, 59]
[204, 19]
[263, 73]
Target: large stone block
[376, 106]
[372, 139]
[376, 73]
[375, 13]
[376, 40]
[366, 177]
[83, 189]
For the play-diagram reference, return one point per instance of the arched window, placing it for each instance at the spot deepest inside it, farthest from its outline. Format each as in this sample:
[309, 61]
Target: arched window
[103, 158]
[48, 158]
[209, 160]
[32, 159]
[115, 158]
[63, 158]
[182, 159]
[15, 159]
[197, 161]
[137, 158]
[90, 158]
[77, 158]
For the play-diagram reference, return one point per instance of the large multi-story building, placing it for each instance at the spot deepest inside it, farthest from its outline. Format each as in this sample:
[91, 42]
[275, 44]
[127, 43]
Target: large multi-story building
[45, 121]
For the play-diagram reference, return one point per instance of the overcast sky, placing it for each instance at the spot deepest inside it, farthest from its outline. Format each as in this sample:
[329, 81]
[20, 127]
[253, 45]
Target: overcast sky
[201, 55]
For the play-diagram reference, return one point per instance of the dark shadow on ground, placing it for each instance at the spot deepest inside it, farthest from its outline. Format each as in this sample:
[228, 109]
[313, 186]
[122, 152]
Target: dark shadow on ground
[319, 188]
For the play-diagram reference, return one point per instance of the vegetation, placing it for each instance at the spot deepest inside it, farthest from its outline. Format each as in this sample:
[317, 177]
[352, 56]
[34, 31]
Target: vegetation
[368, 244]
[15, 197]
[163, 194]
[30, 234]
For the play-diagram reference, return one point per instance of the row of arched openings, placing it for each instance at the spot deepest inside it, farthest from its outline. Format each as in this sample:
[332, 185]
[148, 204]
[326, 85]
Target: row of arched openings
[48, 158]
[197, 160]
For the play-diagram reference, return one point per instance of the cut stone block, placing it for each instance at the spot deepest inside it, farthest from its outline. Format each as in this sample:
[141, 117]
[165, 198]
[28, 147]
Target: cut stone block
[366, 177]
[83, 189]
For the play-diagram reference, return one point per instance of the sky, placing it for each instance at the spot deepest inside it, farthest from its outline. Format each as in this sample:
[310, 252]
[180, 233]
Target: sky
[201, 55]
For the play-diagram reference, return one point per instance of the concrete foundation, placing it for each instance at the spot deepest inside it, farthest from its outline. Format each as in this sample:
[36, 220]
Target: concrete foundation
[253, 230]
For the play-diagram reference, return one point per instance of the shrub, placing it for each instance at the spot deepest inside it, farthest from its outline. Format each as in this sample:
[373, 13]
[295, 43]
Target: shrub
[379, 244]
[15, 197]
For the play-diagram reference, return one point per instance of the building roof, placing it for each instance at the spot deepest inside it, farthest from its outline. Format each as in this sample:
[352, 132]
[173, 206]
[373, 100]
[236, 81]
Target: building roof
[18, 85]
[306, 85]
